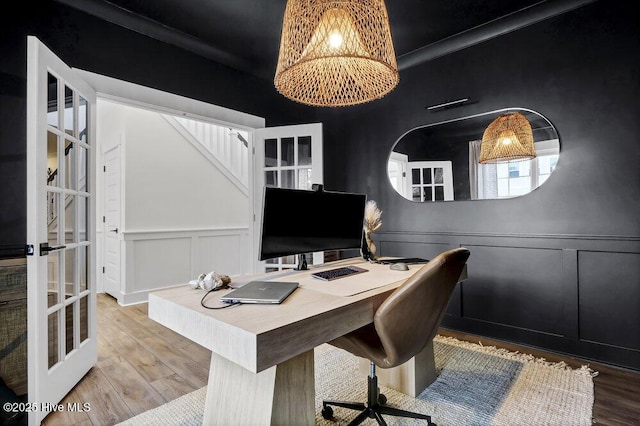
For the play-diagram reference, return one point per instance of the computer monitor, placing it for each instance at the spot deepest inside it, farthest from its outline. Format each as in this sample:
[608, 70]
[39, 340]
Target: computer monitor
[296, 221]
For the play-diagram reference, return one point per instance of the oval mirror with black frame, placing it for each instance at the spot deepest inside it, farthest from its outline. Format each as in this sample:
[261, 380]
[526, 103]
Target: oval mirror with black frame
[439, 162]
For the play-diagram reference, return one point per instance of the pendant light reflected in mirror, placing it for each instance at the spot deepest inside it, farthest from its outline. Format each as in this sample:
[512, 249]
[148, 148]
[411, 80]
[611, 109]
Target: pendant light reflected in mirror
[508, 138]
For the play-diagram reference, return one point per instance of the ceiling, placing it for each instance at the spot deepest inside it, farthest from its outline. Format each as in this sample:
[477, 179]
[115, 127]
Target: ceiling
[245, 34]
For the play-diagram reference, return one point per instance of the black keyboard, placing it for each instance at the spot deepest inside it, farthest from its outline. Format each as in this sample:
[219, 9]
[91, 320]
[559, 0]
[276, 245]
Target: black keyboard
[334, 274]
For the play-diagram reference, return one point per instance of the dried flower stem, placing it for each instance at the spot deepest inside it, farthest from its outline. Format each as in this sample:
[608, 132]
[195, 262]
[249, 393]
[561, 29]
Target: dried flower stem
[372, 217]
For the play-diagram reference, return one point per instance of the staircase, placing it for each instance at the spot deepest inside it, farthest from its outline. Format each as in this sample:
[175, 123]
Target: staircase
[226, 148]
[52, 197]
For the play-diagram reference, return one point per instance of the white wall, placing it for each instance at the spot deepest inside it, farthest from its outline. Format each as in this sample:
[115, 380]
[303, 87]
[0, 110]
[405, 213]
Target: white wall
[170, 185]
[181, 215]
[110, 131]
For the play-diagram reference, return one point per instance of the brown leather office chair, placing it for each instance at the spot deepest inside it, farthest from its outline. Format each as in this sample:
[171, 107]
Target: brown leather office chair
[402, 326]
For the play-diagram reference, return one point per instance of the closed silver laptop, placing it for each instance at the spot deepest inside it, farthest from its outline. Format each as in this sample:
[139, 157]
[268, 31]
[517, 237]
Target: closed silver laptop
[272, 292]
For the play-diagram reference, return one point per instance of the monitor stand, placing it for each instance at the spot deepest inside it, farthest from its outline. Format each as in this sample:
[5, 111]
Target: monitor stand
[302, 263]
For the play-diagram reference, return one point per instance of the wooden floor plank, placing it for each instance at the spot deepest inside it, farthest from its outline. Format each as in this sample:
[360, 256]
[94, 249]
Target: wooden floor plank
[146, 363]
[136, 314]
[172, 387]
[70, 416]
[194, 373]
[136, 392]
[197, 353]
[107, 407]
[107, 354]
[190, 349]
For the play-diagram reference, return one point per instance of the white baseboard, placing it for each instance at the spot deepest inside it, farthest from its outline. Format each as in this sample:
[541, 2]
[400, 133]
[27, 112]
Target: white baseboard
[129, 299]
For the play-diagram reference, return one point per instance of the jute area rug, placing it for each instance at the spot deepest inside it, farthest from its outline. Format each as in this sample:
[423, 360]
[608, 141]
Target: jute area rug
[476, 385]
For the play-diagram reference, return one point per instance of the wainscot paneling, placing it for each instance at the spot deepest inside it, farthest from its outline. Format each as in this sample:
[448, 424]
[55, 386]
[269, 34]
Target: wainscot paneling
[546, 291]
[221, 253]
[159, 263]
[155, 260]
[610, 279]
[515, 286]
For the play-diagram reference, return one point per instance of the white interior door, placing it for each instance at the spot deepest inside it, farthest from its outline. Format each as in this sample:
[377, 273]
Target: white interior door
[111, 221]
[397, 171]
[61, 306]
[285, 157]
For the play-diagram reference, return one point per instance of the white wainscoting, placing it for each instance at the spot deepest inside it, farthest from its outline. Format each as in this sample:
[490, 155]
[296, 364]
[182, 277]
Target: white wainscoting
[154, 260]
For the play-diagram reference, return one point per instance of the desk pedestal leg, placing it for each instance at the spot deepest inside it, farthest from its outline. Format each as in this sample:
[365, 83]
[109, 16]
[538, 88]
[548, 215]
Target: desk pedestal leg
[283, 395]
[410, 378]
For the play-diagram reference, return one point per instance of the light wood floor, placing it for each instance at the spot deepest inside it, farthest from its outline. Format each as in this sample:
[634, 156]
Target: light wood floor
[142, 365]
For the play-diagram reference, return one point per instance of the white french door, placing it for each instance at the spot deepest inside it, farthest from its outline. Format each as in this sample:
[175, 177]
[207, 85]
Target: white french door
[285, 157]
[61, 299]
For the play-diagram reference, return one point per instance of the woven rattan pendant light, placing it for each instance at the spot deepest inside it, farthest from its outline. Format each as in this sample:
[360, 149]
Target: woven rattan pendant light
[336, 53]
[508, 138]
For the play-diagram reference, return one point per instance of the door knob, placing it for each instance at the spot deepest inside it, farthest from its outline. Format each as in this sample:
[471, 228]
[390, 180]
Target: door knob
[45, 248]
[114, 230]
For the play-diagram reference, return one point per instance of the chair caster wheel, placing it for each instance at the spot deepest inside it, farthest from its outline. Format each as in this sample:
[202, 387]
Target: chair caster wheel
[382, 399]
[327, 412]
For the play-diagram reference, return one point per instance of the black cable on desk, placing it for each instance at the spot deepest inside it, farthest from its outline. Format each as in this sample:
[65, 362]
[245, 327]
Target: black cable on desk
[215, 307]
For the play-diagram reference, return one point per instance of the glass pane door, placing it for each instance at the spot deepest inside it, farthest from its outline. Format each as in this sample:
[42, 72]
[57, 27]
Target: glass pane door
[431, 180]
[287, 157]
[67, 219]
[287, 164]
[62, 343]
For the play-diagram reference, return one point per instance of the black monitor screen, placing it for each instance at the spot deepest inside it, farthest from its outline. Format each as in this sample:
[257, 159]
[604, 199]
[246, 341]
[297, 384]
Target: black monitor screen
[297, 221]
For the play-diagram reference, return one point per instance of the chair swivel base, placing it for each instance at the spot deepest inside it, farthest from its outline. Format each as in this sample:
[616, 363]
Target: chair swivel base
[374, 409]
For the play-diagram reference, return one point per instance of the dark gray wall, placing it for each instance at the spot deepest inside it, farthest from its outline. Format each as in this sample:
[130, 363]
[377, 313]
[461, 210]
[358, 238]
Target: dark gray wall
[557, 268]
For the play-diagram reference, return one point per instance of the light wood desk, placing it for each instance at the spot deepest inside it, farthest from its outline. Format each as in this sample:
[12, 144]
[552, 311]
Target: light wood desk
[262, 369]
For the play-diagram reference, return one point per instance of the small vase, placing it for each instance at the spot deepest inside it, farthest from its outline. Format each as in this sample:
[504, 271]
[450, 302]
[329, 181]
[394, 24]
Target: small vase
[368, 248]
